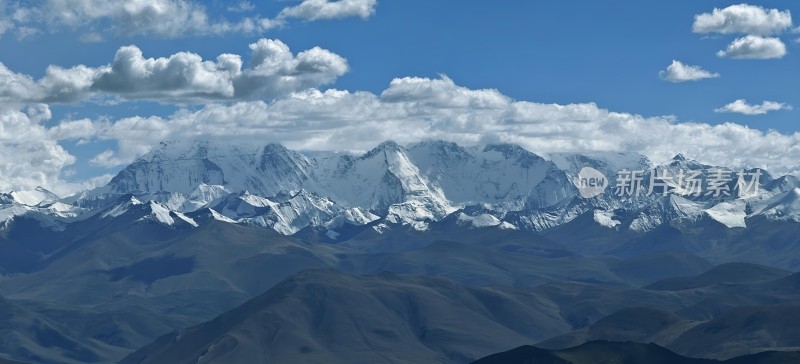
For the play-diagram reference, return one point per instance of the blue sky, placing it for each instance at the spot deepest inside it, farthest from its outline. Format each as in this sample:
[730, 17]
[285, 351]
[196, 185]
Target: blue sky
[565, 52]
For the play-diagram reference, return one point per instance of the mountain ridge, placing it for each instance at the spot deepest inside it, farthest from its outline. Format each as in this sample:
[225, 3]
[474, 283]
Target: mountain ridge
[393, 186]
[436, 177]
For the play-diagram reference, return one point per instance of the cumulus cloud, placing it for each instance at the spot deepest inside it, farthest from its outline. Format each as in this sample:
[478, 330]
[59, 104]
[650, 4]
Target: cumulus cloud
[742, 107]
[182, 74]
[409, 110]
[326, 9]
[414, 109]
[73, 129]
[28, 156]
[182, 77]
[743, 19]
[275, 71]
[680, 72]
[162, 18]
[165, 18]
[31, 155]
[57, 85]
[754, 47]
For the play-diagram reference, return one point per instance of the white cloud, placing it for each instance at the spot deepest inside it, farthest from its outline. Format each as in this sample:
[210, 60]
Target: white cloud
[409, 110]
[182, 74]
[38, 113]
[242, 6]
[743, 19]
[6, 22]
[327, 9]
[73, 129]
[57, 85]
[5, 25]
[754, 47]
[742, 107]
[162, 18]
[275, 71]
[182, 77]
[106, 159]
[680, 72]
[441, 94]
[166, 18]
[413, 109]
[92, 37]
[28, 156]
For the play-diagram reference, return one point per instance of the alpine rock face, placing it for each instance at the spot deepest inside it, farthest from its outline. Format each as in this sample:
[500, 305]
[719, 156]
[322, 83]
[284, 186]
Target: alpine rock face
[499, 185]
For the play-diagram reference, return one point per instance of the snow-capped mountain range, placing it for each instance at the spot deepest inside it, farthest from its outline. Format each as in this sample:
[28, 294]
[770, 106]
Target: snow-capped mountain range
[183, 184]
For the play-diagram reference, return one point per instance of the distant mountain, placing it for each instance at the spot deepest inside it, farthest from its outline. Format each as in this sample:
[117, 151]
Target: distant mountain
[328, 316]
[194, 229]
[403, 185]
[622, 352]
[125, 279]
[636, 324]
[30, 336]
[39, 204]
[743, 330]
[437, 185]
[730, 273]
[38, 196]
[739, 309]
[129, 272]
[435, 181]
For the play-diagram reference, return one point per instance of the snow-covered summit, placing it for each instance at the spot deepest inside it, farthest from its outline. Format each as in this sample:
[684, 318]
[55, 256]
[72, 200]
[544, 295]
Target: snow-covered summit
[413, 185]
[35, 197]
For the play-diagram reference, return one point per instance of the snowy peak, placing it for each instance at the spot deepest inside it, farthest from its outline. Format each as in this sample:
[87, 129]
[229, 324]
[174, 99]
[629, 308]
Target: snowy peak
[242, 205]
[514, 153]
[35, 197]
[389, 146]
[783, 184]
[353, 216]
[273, 187]
[386, 179]
[665, 210]
[177, 175]
[280, 169]
[205, 195]
[205, 215]
[197, 149]
[181, 167]
[731, 214]
[438, 151]
[134, 209]
[785, 206]
[504, 176]
[285, 213]
[119, 209]
[608, 163]
[681, 162]
[160, 213]
[202, 196]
